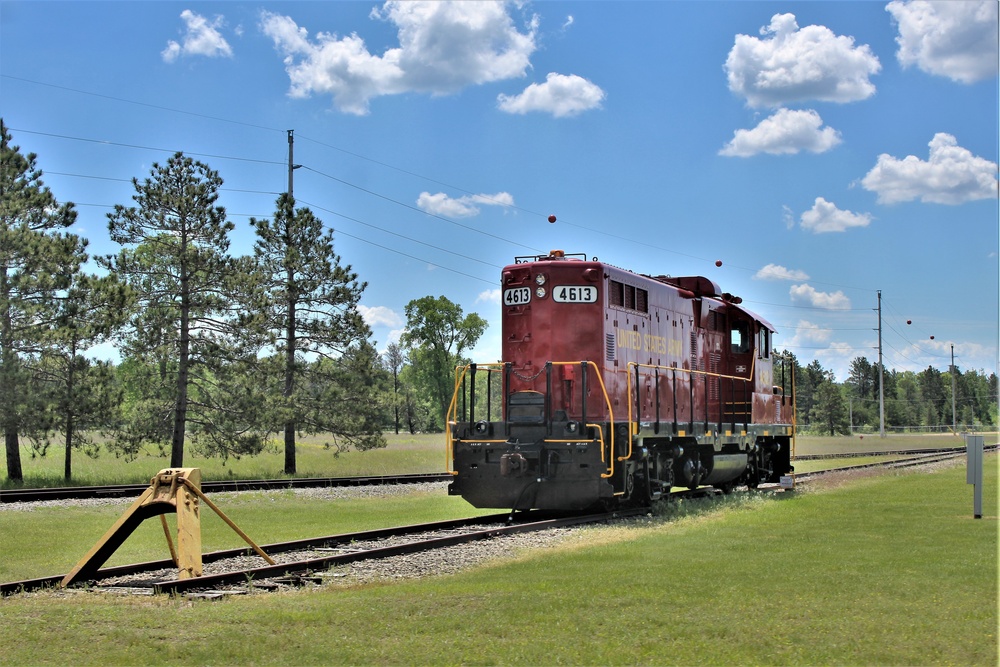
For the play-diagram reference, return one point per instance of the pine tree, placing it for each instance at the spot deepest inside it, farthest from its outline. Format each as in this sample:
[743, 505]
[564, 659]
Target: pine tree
[37, 259]
[311, 309]
[177, 264]
[86, 391]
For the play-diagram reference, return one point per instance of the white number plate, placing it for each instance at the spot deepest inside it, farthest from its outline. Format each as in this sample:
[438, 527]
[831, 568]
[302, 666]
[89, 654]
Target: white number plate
[516, 296]
[574, 294]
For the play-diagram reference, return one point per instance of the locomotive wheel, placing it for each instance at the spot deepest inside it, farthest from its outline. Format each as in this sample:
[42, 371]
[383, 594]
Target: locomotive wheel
[629, 484]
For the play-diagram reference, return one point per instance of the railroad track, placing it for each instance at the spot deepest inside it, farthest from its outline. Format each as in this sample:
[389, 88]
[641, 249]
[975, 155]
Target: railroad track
[924, 457]
[893, 452]
[133, 490]
[302, 559]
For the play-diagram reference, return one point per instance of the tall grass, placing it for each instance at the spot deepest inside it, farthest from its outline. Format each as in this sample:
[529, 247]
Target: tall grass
[405, 454]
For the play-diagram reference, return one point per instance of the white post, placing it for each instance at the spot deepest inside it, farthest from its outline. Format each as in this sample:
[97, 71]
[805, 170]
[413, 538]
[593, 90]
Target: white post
[974, 471]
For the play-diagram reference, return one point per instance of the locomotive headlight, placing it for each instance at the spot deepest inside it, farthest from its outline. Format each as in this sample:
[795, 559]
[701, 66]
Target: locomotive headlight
[540, 279]
[540, 292]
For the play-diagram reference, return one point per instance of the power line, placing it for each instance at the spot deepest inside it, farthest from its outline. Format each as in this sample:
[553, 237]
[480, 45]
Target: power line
[418, 210]
[128, 180]
[145, 148]
[399, 252]
[142, 104]
[402, 236]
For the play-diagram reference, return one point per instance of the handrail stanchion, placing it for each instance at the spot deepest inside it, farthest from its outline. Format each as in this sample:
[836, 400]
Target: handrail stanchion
[673, 394]
[548, 398]
[472, 393]
[656, 388]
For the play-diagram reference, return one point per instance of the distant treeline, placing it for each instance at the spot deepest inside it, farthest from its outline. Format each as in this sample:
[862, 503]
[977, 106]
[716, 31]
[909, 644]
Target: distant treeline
[912, 401]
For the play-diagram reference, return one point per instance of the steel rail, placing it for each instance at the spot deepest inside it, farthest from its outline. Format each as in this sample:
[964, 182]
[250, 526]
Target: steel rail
[924, 459]
[220, 486]
[888, 452]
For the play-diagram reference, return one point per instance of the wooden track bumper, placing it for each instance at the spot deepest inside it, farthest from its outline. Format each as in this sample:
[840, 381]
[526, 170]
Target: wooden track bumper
[171, 490]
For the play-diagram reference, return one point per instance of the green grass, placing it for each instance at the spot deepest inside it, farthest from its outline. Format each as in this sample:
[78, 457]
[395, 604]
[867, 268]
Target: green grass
[871, 442]
[50, 540]
[888, 570]
[405, 454]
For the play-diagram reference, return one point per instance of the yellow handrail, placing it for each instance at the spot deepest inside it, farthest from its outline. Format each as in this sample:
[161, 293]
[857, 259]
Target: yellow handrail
[451, 417]
[633, 424]
[611, 418]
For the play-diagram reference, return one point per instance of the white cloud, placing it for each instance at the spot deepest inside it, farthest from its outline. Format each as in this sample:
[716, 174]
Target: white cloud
[953, 39]
[807, 294]
[489, 296]
[788, 216]
[462, 207]
[380, 315]
[807, 335]
[778, 272]
[443, 47]
[951, 175]
[561, 95]
[784, 132]
[807, 332]
[793, 65]
[201, 39]
[825, 217]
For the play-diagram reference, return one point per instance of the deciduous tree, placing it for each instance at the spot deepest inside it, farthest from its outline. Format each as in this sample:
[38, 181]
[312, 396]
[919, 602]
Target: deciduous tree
[437, 334]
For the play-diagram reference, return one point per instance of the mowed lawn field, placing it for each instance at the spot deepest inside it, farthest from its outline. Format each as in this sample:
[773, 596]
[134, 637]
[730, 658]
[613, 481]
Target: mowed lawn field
[405, 453]
[877, 569]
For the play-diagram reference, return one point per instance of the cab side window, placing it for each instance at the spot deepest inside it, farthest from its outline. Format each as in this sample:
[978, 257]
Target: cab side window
[739, 337]
[763, 343]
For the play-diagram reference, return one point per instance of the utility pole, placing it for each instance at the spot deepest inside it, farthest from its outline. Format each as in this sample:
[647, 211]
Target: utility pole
[951, 370]
[291, 163]
[881, 384]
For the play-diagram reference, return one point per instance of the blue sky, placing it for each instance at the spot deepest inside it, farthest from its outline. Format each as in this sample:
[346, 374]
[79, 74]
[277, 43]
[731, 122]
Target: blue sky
[822, 151]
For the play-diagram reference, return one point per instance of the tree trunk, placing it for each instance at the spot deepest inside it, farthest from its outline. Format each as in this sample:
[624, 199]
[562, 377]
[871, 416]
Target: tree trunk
[14, 473]
[68, 467]
[289, 373]
[8, 360]
[289, 448]
[70, 425]
[180, 407]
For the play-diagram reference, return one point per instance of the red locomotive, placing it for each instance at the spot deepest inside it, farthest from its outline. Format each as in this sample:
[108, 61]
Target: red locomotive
[615, 387]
